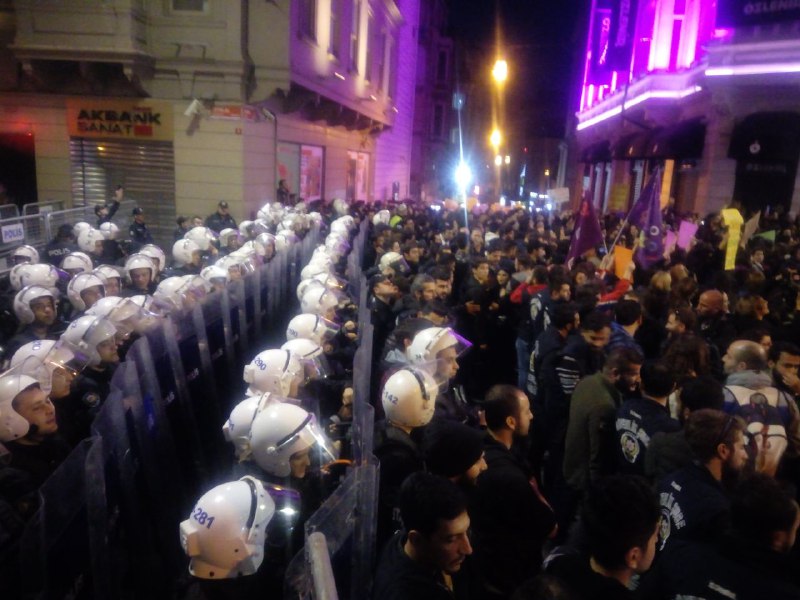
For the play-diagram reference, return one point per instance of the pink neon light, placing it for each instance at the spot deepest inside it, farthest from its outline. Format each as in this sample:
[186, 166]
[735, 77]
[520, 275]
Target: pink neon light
[631, 102]
[763, 69]
[614, 81]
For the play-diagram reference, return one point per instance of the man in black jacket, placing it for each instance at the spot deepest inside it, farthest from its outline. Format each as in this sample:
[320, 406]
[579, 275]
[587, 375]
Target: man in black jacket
[511, 518]
[429, 559]
[221, 219]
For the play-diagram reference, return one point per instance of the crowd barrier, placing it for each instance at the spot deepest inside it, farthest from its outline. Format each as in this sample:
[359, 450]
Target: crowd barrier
[107, 526]
[39, 223]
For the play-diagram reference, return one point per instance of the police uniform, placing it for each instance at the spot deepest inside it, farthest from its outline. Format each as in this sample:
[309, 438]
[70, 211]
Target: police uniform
[694, 506]
[638, 420]
[139, 235]
[76, 412]
[56, 250]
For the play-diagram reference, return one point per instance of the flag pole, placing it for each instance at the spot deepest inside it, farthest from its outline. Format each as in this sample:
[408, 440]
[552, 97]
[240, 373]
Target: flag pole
[625, 222]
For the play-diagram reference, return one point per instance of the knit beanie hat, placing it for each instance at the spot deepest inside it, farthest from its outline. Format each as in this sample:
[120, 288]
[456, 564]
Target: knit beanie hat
[451, 448]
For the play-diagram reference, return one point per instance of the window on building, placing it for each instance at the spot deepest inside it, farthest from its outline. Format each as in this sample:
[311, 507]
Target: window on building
[391, 77]
[441, 67]
[308, 19]
[369, 36]
[335, 29]
[302, 167]
[438, 121]
[355, 35]
[200, 6]
[383, 66]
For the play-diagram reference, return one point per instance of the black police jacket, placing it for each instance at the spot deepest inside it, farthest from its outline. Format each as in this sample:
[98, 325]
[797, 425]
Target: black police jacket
[638, 420]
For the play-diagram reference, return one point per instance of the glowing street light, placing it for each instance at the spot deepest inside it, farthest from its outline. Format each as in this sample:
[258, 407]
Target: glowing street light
[495, 138]
[508, 159]
[500, 71]
[463, 177]
[498, 160]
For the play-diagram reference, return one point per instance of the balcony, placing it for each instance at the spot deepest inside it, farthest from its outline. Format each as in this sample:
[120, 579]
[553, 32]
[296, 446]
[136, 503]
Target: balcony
[90, 31]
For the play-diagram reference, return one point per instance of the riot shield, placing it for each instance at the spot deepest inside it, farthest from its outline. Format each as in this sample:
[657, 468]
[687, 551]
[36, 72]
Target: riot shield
[252, 306]
[131, 537]
[236, 299]
[190, 348]
[55, 545]
[217, 318]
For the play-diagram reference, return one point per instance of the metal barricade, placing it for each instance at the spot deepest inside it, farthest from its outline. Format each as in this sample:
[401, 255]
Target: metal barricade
[15, 231]
[43, 208]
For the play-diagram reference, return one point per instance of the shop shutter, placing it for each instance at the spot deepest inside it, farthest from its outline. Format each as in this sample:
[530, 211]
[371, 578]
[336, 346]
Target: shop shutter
[145, 169]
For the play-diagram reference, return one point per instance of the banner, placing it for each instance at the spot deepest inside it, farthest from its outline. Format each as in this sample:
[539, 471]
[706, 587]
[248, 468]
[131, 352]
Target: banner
[587, 234]
[139, 119]
[767, 235]
[733, 221]
[622, 34]
[669, 244]
[622, 258]
[652, 248]
[750, 228]
[686, 234]
[744, 13]
[599, 68]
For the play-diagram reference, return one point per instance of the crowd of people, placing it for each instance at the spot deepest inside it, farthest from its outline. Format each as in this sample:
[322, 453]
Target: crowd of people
[558, 428]
[546, 428]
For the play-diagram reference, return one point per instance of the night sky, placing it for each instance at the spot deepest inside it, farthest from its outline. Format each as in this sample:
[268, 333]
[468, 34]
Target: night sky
[545, 38]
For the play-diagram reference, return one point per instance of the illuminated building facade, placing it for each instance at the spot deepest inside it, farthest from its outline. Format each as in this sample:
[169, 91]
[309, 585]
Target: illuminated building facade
[708, 88]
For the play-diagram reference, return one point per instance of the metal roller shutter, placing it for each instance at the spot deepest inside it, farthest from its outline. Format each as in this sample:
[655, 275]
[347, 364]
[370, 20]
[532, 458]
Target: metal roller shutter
[146, 170]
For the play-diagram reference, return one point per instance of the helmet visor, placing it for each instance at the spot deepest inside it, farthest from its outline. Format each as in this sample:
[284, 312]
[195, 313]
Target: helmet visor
[309, 435]
[443, 351]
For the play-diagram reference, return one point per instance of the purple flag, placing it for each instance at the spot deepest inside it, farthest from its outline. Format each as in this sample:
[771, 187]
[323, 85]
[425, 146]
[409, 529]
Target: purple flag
[587, 234]
[651, 249]
[639, 209]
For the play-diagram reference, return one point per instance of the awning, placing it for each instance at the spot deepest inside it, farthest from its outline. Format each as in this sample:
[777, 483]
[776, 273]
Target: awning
[682, 140]
[767, 136]
[596, 153]
[632, 146]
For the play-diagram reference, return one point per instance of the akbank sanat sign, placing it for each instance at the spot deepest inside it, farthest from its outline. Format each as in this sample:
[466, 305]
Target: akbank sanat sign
[138, 119]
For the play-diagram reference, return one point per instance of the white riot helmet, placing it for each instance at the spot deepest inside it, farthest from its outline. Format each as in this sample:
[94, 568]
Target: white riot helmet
[40, 359]
[291, 236]
[409, 397]
[12, 424]
[310, 355]
[125, 314]
[394, 261]
[215, 275]
[80, 226]
[227, 234]
[264, 213]
[330, 281]
[37, 274]
[237, 428]
[427, 344]
[85, 334]
[340, 206]
[25, 254]
[282, 430]
[183, 251]
[312, 269]
[23, 299]
[80, 284]
[315, 218]
[88, 238]
[156, 254]
[281, 243]
[275, 371]
[139, 261]
[267, 242]
[308, 284]
[202, 236]
[225, 533]
[276, 211]
[318, 302]
[321, 257]
[311, 327]
[260, 226]
[106, 272]
[109, 230]
[382, 217]
[339, 227]
[77, 262]
[245, 228]
[336, 247]
[174, 294]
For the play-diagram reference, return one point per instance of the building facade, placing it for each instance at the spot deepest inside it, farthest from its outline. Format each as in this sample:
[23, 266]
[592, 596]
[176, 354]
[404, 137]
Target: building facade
[706, 88]
[187, 102]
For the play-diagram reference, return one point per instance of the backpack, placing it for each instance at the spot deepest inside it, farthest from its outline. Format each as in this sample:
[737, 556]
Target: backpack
[766, 431]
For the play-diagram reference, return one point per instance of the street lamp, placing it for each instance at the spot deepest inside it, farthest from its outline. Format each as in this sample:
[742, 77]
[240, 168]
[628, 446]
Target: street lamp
[508, 159]
[500, 71]
[495, 138]
[498, 160]
[463, 176]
